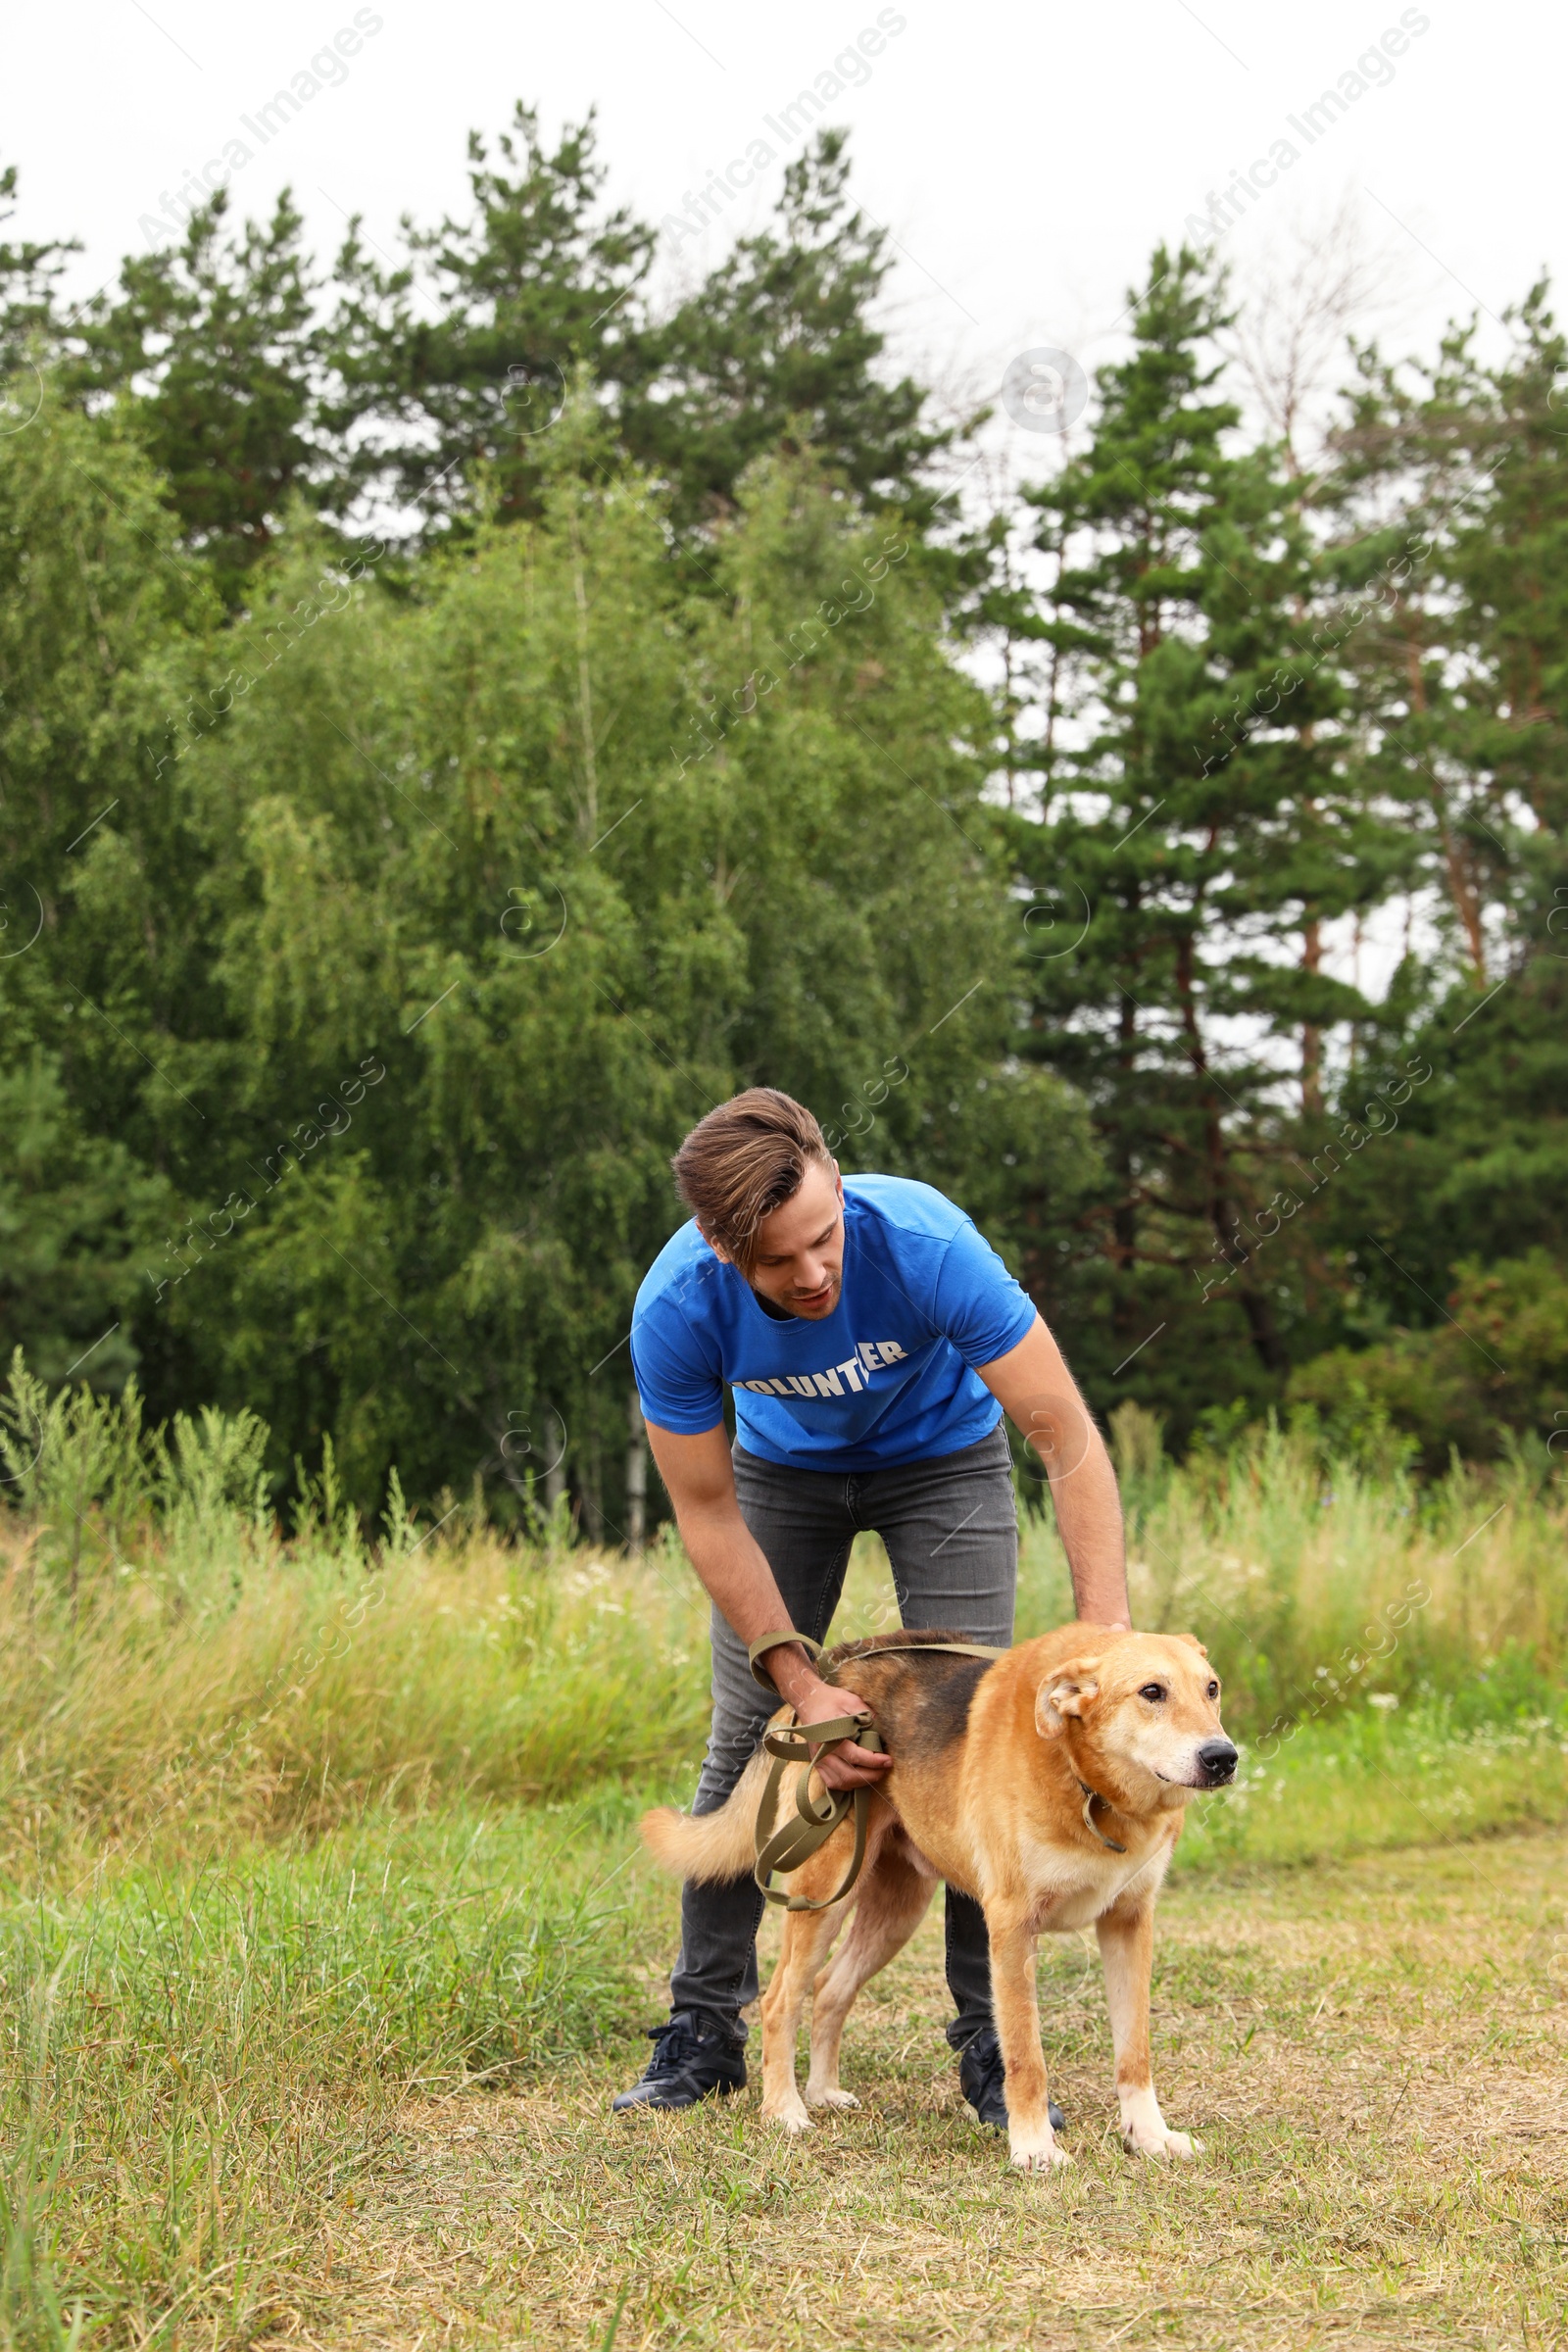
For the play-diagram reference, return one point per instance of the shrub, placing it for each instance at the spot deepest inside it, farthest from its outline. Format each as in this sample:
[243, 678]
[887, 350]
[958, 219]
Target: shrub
[1493, 1376]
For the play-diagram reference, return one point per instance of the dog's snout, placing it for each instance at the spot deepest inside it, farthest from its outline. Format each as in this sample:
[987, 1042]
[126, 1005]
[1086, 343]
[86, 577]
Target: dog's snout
[1217, 1760]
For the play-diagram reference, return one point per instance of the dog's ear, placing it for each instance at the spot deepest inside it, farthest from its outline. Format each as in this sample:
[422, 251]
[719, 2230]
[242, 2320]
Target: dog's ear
[1069, 1690]
[1197, 1644]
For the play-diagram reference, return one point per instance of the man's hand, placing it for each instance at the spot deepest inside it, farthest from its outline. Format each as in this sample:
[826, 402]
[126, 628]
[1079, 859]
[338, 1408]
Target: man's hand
[846, 1764]
[843, 1764]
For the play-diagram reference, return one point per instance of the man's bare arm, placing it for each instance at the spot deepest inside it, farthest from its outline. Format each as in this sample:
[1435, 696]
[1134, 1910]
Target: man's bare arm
[1039, 1397]
[700, 1480]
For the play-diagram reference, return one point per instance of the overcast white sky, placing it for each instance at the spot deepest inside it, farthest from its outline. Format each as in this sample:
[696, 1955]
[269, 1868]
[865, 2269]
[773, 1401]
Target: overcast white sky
[1025, 159]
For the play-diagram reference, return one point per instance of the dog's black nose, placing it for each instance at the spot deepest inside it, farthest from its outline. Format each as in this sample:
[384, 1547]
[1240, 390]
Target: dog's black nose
[1217, 1760]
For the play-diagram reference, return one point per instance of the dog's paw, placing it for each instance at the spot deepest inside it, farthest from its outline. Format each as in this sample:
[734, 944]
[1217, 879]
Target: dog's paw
[830, 2097]
[1037, 2152]
[1146, 2140]
[790, 2115]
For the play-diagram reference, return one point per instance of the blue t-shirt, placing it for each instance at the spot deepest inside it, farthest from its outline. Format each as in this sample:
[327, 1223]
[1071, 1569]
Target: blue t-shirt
[887, 1377]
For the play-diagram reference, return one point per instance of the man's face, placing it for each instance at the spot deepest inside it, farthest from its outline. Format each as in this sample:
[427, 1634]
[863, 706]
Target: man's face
[799, 1264]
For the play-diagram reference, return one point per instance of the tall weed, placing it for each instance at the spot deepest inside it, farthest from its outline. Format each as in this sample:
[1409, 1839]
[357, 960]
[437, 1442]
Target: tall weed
[1314, 1582]
[180, 1670]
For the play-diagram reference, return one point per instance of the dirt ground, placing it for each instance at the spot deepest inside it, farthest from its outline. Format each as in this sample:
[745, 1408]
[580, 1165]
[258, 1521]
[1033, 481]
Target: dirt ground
[1373, 2054]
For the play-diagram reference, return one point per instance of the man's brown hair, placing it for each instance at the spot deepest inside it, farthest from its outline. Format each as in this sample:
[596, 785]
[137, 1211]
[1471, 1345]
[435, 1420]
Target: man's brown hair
[743, 1161]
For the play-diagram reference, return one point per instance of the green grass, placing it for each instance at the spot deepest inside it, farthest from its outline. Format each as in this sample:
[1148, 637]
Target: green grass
[1366, 1783]
[213, 2067]
[1371, 2052]
[359, 2096]
[200, 2057]
[177, 1673]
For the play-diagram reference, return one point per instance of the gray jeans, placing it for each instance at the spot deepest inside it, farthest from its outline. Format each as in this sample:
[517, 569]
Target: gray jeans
[951, 1528]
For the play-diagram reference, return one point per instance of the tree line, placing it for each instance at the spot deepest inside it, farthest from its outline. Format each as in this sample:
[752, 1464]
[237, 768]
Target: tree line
[463, 718]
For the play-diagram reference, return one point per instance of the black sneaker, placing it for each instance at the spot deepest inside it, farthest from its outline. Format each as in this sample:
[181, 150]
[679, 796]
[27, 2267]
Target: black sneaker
[687, 2065]
[981, 2075]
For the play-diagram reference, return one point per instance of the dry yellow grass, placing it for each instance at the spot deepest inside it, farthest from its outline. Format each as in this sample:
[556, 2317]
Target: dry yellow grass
[278, 1690]
[1372, 2052]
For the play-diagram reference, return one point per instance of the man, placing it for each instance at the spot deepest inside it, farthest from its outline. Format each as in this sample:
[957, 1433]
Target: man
[873, 1341]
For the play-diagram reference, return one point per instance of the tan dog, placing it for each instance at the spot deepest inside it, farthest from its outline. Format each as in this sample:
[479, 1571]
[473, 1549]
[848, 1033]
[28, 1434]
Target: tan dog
[1050, 1785]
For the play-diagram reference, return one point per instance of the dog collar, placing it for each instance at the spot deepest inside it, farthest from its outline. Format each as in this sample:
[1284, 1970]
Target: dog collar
[1090, 1799]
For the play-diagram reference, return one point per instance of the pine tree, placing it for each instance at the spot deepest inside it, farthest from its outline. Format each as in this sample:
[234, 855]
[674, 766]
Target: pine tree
[210, 345]
[29, 321]
[1200, 805]
[452, 366]
[1464, 689]
[459, 360]
[777, 349]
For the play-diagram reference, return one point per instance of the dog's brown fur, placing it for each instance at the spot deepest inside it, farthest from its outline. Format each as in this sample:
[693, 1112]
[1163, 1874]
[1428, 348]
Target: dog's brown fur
[986, 1791]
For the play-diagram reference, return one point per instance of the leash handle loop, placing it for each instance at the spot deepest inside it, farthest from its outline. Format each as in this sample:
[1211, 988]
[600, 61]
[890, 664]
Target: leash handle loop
[795, 1841]
[759, 1650]
[797, 1742]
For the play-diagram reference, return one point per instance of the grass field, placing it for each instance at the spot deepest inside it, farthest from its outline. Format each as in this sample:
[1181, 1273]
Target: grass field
[359, 2096]
[324, 1938]
[1373, 2054]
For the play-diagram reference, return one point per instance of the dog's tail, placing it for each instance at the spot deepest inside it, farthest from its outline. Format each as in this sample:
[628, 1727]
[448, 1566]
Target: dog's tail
[707, 1846]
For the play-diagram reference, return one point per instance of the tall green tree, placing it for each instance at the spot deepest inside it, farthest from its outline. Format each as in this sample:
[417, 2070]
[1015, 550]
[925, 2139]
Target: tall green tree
[1200, 808]
[101, 625]
[1456, 480]
[29, 297]
[209, 344]
[456, 361]
[390, 985]
[779, 348]
[451, 367]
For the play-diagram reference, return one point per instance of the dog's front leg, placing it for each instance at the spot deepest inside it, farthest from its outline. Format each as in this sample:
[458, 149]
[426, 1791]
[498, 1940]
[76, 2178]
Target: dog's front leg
[1127, 1949]
[1031, 2141]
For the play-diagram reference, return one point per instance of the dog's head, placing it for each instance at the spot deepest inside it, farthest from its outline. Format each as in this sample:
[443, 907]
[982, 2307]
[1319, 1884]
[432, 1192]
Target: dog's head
[1143, 1710]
